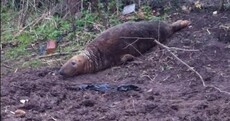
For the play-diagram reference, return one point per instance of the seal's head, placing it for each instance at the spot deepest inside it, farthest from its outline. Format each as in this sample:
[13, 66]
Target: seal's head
[74, 66]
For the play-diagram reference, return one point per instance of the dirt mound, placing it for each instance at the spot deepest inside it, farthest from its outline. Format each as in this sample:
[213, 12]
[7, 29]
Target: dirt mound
[169, 91]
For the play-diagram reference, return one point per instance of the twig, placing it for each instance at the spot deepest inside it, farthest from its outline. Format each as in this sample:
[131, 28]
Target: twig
[117, 6]
[171, 48]
[184, 63]
[6, 66]
[15, 70]
[133, 104]
[145, 75]
[190, 68]
[51, 55]
[36, 21]
[32, 23]
[131, 43]
[183, 49]
[134, 48]
[208, 32]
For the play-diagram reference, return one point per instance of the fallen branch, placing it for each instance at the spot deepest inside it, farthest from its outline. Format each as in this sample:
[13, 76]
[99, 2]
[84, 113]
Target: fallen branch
[171, 48]
[190, 68]
[184, 63]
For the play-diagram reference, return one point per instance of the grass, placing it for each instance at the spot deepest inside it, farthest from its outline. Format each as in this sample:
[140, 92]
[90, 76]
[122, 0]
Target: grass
[51, 27]
[32, 63]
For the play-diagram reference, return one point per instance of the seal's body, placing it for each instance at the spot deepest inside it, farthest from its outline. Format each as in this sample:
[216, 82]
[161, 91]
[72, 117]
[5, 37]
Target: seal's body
[118, 44]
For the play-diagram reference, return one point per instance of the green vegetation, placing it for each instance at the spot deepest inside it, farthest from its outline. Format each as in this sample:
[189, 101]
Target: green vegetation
[32, 63]
[27, 38]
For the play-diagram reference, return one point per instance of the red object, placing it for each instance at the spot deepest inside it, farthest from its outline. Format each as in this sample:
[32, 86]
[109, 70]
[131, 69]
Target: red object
[51, 46]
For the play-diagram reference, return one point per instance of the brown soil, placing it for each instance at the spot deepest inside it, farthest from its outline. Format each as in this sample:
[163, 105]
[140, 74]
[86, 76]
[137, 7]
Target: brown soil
[169, 91]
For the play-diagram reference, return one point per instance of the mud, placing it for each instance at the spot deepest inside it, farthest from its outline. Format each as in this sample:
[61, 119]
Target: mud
[169, 90]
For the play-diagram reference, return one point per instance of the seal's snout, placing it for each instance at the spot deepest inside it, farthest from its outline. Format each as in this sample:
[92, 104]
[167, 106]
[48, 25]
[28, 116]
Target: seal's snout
[67, 70]
[61, 72]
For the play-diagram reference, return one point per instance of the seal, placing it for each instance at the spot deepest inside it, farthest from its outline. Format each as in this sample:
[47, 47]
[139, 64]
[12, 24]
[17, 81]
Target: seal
[119, 44]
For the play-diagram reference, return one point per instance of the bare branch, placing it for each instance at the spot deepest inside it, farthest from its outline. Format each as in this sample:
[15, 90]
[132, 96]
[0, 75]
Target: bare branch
[190, 68]
[184, 63]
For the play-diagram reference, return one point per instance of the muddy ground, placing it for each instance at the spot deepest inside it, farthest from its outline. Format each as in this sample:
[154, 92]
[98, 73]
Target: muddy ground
[169, 91]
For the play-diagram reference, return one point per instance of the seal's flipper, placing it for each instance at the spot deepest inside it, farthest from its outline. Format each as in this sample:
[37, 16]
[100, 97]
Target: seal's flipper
[127, 57]
[180, 24]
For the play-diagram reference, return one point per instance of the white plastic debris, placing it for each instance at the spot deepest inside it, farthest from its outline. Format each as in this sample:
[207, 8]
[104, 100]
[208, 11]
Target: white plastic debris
[214, 13]
[128, 9]
[23, 101]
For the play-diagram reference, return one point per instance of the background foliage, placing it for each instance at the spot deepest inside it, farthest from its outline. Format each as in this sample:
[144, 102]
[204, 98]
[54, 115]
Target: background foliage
[27, 25]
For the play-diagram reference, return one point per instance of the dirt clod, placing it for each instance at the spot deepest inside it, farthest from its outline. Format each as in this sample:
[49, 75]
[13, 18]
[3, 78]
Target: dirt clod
[20, 113]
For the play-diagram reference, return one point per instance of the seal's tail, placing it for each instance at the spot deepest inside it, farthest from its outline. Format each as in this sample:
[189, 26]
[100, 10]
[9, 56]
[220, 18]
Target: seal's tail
[180, 24]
